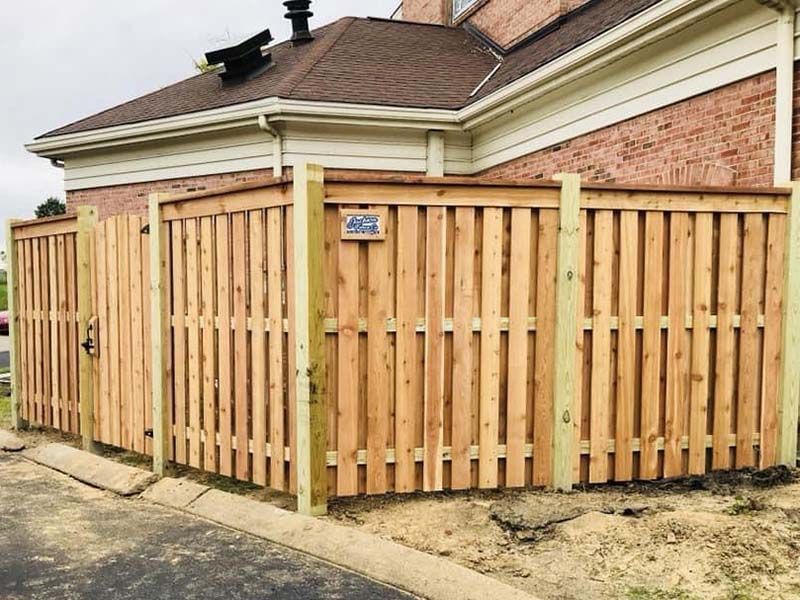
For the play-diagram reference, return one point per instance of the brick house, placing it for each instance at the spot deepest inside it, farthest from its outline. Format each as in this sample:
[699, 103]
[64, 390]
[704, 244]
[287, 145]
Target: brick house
[652, 91]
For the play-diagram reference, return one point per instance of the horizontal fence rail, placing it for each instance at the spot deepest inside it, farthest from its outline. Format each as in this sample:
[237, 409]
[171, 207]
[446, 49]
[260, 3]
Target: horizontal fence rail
[396, 334]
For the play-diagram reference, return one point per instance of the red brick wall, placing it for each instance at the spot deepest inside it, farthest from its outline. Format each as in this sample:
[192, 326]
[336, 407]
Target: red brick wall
[505, 21]
[132, 198]
[727, 130]
[508, 21]
[427, 11]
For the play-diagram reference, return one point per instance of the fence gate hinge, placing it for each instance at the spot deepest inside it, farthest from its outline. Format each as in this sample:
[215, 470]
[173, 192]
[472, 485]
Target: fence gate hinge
[146, 229]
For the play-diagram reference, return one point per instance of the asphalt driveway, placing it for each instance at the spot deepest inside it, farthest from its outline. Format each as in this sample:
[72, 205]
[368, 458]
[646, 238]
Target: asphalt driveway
[4, 348]
[61, 539]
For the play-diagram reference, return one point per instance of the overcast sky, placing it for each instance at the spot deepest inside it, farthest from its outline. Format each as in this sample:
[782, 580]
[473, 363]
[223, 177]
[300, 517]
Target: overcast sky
[63, 61]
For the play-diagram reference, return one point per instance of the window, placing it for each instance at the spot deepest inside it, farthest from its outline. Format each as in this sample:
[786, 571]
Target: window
[459, 6]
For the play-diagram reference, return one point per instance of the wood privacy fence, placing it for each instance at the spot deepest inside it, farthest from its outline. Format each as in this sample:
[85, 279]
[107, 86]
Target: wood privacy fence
[469, 334]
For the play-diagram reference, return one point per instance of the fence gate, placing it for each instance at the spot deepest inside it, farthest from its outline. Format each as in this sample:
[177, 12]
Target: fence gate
[44, 297]
[118, 335]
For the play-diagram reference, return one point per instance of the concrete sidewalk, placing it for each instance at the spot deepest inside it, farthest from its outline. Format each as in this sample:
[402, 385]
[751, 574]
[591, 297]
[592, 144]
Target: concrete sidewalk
[64, 540]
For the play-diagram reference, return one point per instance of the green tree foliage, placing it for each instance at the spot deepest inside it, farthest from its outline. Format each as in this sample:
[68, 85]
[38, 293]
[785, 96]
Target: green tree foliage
[52, 207]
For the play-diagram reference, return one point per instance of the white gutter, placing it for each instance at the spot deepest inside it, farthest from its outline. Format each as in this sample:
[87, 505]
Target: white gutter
[246, 115]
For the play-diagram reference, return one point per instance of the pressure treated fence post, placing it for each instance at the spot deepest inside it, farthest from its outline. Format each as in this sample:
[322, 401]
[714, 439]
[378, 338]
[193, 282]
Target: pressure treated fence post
[87, 219]
[12, 268]
[789, 383]
[566, 326]
[159, 325]
[309, 235]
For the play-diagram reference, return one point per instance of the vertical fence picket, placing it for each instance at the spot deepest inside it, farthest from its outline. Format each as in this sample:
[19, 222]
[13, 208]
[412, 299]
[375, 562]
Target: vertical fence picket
[545, 335]
[490, 346]
[677, 355]
[463, 306]
[240, 355]
[726, 303]
[601, 346]
[224, 348]
[651, 353]
[208, 293]
[776, 239]
[749, 342]
[277, 432]
[433, 469]
[258, 372]
[626, 373]
[520, 271]
[406, 341]
[377, 366]
[701, 347]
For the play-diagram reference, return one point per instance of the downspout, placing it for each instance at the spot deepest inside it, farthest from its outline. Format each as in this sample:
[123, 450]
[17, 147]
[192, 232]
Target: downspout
[277, 145]
[784, 87]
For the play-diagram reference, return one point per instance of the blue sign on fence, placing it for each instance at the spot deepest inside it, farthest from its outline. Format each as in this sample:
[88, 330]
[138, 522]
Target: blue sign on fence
[363, 224]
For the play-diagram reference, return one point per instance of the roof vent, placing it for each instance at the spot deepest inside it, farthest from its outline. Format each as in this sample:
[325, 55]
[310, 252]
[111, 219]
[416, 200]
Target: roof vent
[299, 14]
[243, 60]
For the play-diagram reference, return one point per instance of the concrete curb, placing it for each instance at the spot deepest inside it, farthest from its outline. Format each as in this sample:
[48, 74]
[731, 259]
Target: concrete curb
[174, 493]
[94, 470]
[412, 571]
[9, 442]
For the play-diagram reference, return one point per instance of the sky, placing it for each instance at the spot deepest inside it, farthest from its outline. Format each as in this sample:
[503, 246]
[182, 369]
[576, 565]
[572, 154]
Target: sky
[63, 61]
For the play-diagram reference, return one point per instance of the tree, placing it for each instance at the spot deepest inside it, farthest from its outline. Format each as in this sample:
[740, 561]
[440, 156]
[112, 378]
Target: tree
[51, 208]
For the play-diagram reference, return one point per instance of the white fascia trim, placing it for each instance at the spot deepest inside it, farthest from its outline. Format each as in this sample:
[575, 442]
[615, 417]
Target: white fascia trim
[637, 32]
[244, 115]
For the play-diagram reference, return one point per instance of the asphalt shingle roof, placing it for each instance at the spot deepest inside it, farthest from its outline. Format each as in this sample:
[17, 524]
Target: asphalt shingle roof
[376, 61]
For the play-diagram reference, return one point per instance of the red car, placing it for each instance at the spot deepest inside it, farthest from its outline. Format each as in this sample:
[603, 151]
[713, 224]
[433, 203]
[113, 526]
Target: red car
[4, 322]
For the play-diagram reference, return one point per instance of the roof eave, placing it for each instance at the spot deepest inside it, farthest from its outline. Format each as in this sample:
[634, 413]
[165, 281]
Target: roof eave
[244, 115]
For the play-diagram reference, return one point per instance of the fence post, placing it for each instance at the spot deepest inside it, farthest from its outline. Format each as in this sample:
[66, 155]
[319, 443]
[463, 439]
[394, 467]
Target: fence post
[566, 325]
[159, 327]
[789, 383]
[87, 219]
[12, 268]
[309, 250]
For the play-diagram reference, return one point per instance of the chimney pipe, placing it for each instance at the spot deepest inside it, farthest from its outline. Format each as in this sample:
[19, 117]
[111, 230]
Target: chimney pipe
[299, 14]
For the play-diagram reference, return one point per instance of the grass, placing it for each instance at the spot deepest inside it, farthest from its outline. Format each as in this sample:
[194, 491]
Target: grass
[5, 412]
[3, 291]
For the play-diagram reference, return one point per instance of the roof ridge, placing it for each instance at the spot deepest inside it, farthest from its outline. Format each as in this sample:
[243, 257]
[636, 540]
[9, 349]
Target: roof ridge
[316, 52]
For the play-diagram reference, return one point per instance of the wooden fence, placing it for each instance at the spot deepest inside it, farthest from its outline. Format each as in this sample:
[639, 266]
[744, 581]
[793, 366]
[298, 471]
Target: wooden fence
[462, 334]
[43, 302]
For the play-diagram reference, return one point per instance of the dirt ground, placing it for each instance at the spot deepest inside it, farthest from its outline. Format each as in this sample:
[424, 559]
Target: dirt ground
[729, 536]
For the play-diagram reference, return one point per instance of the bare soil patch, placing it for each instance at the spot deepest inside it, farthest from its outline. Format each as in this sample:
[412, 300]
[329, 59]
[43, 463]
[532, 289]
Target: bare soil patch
[731, 536]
